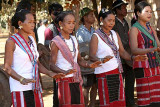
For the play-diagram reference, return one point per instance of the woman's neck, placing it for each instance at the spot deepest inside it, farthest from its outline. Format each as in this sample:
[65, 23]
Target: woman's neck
[24, 34]
[143, 23]
[88, 26]
[65, 35]
[106, 31]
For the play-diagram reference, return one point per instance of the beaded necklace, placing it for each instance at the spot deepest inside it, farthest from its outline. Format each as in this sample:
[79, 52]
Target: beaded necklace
[74, 48]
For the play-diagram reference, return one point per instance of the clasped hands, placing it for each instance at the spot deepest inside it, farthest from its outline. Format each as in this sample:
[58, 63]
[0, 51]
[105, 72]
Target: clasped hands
[154, 49]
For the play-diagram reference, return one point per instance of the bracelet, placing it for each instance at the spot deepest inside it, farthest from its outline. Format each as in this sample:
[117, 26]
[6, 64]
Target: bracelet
[21, 79]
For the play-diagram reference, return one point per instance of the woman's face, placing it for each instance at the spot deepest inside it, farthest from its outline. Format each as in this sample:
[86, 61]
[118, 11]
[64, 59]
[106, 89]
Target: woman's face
[146, 14]
[68, 24]
[90, 18]
[29, 24]
[109, 22]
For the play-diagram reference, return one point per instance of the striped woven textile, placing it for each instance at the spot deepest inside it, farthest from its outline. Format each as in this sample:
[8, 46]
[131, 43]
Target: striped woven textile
[27, 99]
[70, 93]
[148, 85]
[110, 89]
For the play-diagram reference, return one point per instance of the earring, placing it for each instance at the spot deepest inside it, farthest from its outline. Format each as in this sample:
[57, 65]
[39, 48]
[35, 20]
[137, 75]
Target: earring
[61, 27]
[101, 23]
[20, 27]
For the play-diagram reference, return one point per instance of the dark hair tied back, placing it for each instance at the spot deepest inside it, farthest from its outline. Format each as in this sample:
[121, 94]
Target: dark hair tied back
[140, 6]
[104, 13]
[56, 7]
[62, 15]
[19, 16]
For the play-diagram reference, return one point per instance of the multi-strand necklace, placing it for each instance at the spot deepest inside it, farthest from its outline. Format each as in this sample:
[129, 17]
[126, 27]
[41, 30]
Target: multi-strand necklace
[74, 47]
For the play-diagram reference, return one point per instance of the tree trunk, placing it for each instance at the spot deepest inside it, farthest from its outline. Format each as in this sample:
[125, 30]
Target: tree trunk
[109, 3]
[106, 4]
[95, 8]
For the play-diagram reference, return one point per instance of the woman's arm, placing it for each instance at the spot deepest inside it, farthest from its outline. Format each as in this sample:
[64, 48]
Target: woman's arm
[123, 53]
[86, 64]
[93, 50]
[43, 70]
[82, 62]
[134, 43]
[54, 53]
[9, 50]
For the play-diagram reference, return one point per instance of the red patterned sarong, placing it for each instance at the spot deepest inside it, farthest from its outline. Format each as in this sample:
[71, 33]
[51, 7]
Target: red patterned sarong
[110, 89]
[148, 85]
[70, 93]
[31, 99]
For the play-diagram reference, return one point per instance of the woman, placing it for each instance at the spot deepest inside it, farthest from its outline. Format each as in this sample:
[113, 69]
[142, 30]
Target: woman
[105, 46]
[144, 41]
[65, 58]
[21, 63]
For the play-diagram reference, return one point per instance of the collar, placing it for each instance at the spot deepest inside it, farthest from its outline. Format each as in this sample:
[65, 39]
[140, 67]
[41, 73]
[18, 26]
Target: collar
[123, 23]
[84, 28]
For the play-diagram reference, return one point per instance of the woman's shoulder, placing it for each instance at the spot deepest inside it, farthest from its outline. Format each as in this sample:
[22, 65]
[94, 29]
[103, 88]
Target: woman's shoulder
[133, 29]
[10, 41]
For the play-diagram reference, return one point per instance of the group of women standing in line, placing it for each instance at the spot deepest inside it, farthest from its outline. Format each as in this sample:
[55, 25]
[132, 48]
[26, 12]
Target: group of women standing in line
[21, 61]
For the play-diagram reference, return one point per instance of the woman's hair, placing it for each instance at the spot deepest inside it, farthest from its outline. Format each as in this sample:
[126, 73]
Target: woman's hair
[82, 19]
[137, 1]
[140, 6]
[19, 16]
[104, 13]
[24, 4]
[56, 7]
[62, 15]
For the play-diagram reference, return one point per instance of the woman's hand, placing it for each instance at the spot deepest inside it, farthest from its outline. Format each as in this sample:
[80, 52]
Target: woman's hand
[140, 58]
[152, 50]
[56, 75]
[70, 71]
[107, 58]
[158, 49]
[26, 81]
[59, 75]
[95, 64]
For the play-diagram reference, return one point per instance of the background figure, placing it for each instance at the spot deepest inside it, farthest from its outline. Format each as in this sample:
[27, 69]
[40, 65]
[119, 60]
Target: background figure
[122, 28]
[53, 29]
[144, 41]
[39, 23]
[84, 34]
[41, 30]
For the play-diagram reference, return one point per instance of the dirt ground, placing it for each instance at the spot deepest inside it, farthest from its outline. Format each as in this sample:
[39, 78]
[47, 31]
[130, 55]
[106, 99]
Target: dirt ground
[46, 81]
